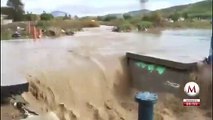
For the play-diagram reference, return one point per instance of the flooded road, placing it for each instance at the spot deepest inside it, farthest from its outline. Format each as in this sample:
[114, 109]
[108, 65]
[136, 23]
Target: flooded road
[19, 56]
[84, 77]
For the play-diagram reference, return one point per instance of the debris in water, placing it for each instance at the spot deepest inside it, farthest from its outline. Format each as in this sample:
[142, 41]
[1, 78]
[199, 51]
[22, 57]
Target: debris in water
[19, 103]
[174, 85]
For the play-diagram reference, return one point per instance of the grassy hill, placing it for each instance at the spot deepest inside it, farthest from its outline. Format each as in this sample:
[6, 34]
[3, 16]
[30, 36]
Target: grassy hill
[118, 15]
[138, 12]
[171, 10]
[203, 8]
[131, 13]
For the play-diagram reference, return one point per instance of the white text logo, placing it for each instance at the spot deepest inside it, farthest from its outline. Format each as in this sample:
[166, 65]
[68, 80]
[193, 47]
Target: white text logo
[191, 89]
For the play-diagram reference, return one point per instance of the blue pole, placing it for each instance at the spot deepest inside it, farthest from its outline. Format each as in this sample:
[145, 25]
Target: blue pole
[146, 103]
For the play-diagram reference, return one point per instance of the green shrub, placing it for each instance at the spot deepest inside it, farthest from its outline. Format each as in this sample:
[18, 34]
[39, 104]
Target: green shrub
[100, 18]
[109, 18]
[156, 18]
[43, 24]
[115, 22]
[126, 26]
[147, 18]
[127, 16]
[74, 25]
[144, 24]
[134, 21]
[89, 23]
[175, 16]
[13, 26]
[46, 16]
[31, 17]
[6, 34]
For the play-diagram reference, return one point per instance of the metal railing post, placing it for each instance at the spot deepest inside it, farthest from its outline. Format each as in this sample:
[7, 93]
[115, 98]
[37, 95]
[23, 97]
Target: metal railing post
[146, 101]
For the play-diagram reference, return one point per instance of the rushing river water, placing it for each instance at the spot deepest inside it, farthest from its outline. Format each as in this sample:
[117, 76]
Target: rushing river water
[18, 56]
[83, 77]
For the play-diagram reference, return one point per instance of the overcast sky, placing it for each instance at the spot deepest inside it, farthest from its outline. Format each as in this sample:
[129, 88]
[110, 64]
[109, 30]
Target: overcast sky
[96, 7]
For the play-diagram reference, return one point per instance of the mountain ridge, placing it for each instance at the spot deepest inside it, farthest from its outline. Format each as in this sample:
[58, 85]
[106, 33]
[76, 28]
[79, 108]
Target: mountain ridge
[203, 8]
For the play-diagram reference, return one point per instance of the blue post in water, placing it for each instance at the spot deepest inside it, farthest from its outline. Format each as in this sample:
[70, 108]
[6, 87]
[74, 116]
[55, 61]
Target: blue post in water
[146, 102]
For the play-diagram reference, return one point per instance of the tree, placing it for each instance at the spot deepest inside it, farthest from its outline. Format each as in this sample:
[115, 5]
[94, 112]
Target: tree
[45, 16]
[147, 18]
[18, 7]
[31, 17]
[185, 15]
[76, 17]
[143, 25]
[70, 17]
[10, 12]
[175, 16]
[157, 18]
[127, 16]
[66, 17]
[99, 18]
[110, 17]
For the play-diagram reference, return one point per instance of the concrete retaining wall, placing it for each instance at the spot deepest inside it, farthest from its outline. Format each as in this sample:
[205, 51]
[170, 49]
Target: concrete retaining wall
[7, 91]
[6, 21]
[158, 75]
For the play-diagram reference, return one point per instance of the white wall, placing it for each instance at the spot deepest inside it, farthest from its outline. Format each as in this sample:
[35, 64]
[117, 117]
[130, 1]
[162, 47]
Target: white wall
[6, 21]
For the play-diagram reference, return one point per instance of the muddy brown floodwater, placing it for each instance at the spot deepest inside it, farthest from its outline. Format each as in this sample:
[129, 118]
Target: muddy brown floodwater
[84, 77]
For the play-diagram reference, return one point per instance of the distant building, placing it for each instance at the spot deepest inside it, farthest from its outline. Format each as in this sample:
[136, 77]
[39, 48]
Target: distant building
[75, 17]
[181, 19]
[169, 20]
[5, 21]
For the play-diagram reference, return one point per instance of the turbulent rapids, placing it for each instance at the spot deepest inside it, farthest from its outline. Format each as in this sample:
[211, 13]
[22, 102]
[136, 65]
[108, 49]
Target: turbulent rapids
[84, 90]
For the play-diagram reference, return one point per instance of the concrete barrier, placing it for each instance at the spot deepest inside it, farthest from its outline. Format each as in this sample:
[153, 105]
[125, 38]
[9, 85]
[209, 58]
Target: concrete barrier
[159, 75]
[7, 91]
[6, 21]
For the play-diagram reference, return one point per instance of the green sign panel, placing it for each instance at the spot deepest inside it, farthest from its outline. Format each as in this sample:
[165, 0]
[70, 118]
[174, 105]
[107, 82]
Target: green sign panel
[151, 67]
